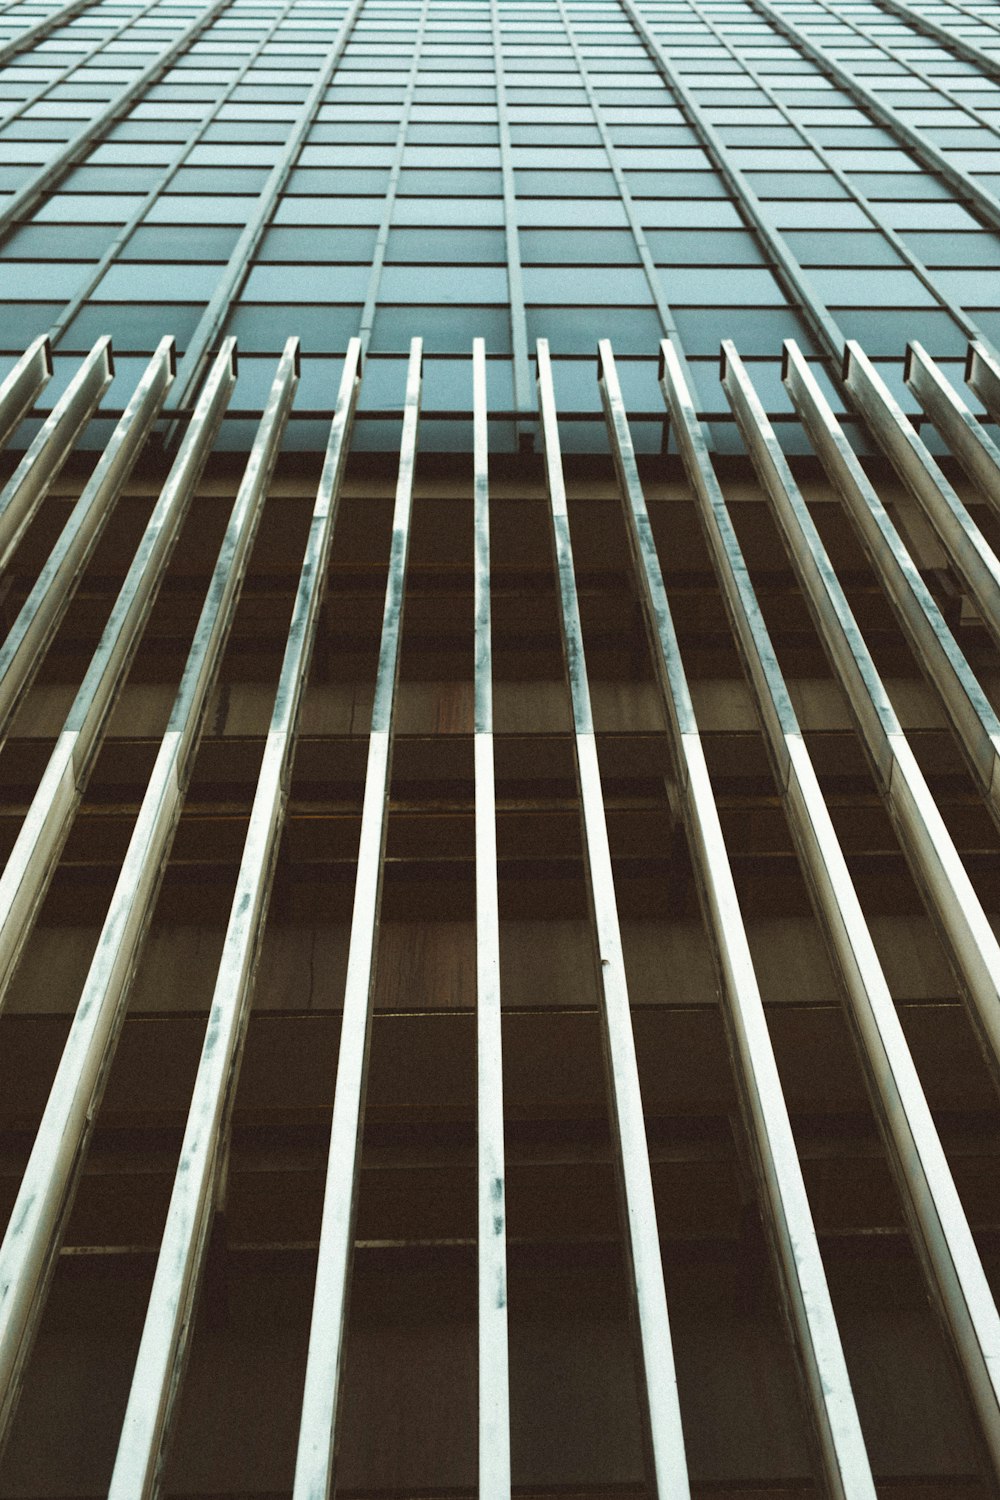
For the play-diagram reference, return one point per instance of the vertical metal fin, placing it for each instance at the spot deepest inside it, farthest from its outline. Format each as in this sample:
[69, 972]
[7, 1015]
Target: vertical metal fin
[315, 1461]
[36, 851]
[786, 1211]
[494, 1399]
[951, 899]
[970, 553]
[968, 708]
[934, 1210]
[29, 484]
[22, 385]
[660, 1407]
[27, 1256]
[30, 635]
[193, 1199]
[965, 436]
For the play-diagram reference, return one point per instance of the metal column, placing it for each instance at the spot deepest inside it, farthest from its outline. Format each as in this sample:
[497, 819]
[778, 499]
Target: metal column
[315, 1461]
[786, 1211]
[199, 1184]
[45, 1197]
[36, 851]
[913, 1147]
[494, 1398]
[660, 1407]
[31, 633]
[951, 899]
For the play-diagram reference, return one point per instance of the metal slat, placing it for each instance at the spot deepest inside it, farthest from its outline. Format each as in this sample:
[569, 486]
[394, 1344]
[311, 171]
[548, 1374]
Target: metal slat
[33, 859]
[913, 1146]
[951, 899]
[29, 484]
[237, 267]
[494, 1398]
[971, 555]
[660, 1411]
[787, 1214]
[965, 436]
[982, 372]
[316, 1456]
[20, 202]
[968, 708]
[199, 1184]
[45, 1197]
[22, 652]
[19, 389]
[922, 147]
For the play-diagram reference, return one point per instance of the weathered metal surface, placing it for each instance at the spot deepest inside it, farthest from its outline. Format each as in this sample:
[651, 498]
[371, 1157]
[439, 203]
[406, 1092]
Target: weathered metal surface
[29, 484]
[29, 637]
[315, 1460]
[913, 1147]
[787, 1214]
[660, 1406]
[494, 1399]
[928, 846]
[36, 851]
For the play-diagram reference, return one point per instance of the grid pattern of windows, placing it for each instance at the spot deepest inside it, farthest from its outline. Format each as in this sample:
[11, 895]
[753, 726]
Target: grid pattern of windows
[568, 169]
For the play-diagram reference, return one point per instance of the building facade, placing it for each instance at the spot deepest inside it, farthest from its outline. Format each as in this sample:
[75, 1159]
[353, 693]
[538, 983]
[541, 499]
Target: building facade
[500, 748]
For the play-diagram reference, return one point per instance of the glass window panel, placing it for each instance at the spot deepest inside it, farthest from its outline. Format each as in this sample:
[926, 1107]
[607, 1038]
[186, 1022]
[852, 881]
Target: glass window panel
[939, 249]
[174, 208]
[876, 288]
[444, 284]
[323, 245]
[29, 280]
[306, 284]
[134, 326]
[882, 330]
[734, 286]
[577, 330]
[24, 321]
[604, 286]
[328, 211]
[109, 180]
[754, 330]
[444, 330]
[311, 181]
[721, 247]
[433, 184]
[842, 248]
[461, 246]
[218, 180]
[968, 288]
[172, 283]
[578, 246]
[263, 328]
[58, 242]
[193, 242]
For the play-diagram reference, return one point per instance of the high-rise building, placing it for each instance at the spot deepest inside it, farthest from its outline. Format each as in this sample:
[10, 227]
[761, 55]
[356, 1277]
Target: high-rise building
[500, 806]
